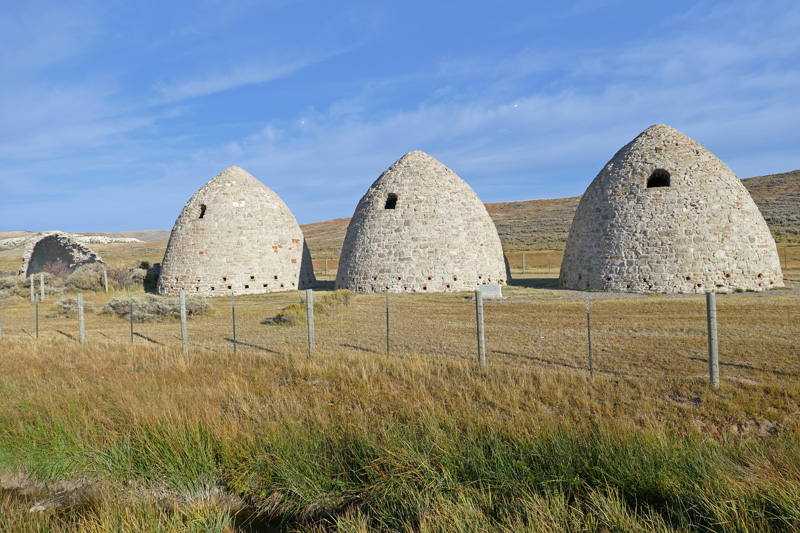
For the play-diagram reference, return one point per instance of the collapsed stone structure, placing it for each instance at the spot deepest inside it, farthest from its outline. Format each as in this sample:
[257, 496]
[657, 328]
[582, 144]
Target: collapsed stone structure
[54, 247]
[235, 235]
[420, 228]
[666, 215]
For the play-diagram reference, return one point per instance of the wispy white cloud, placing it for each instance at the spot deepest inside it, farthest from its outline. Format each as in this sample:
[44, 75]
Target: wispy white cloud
[724, 91]
[533, 121]
[249, 72]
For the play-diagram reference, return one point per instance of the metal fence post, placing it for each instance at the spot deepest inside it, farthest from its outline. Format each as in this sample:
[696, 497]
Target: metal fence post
[184, 332]
[481, 337]
[589, 330]
[713, 351]
[81, 324]
[310, 319]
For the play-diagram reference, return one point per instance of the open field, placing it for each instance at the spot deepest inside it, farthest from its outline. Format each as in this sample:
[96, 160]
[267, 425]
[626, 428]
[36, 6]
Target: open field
[114, 435]
[146, 437]
[128, 255]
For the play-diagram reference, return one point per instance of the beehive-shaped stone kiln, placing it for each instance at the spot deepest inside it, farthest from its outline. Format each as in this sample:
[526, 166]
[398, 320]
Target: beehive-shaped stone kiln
[666, 215]
[53, 248]
[235, 234]
[420, 228]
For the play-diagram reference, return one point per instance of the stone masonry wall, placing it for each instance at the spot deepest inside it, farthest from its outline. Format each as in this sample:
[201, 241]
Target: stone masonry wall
[702, 232]
[235, 234]
[57, 246]
[438, 236]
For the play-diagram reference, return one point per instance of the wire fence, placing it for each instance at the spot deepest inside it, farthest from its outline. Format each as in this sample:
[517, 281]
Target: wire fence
[631, 335]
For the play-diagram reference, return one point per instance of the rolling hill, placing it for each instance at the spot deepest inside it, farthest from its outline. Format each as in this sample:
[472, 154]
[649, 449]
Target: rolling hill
[524, 225]
[544, 224]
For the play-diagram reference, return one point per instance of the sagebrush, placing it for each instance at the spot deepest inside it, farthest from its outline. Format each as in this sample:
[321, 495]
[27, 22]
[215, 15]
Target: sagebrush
[153, 308]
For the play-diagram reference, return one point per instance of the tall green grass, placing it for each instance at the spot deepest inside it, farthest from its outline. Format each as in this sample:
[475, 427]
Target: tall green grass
[400, 444]
[406, 474]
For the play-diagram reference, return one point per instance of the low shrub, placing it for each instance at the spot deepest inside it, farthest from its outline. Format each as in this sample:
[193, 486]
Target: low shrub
[57, 268]
[294, 314]
[152, 308]
[291, 315]
[13, 285]
[123, 278]
[86, 278]
[68, 307]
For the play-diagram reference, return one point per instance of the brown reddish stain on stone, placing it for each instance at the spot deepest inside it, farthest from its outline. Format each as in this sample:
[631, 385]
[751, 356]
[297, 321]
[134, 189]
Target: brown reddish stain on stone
[234, 210]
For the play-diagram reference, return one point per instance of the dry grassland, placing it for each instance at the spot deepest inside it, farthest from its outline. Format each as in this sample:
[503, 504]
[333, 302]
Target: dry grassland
[654, 336]
[420, 439]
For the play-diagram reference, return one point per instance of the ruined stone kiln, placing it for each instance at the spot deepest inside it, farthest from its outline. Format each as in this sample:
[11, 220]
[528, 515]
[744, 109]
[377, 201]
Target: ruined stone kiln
[235, 234]
[54, 247]
[420, 228]
[666, 215]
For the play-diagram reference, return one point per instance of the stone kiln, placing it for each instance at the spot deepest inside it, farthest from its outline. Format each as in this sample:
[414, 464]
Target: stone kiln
[666, 215]
[54, 247]
[420, 228]
[235, 234]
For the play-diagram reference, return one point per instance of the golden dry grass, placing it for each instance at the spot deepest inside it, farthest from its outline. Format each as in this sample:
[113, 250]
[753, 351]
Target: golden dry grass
[269, 422]
[633, 335]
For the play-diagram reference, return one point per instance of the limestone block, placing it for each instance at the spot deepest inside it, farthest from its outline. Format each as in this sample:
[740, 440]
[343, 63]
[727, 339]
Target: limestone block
[437, 232]
[664, 199]
[235, 234]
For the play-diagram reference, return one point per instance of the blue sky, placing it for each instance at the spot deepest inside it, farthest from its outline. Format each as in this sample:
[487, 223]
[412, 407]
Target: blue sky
[114, 113]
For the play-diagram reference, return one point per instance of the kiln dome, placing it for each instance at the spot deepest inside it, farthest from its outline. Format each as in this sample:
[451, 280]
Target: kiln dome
[235, 234]
[666, 215]
[420, 227]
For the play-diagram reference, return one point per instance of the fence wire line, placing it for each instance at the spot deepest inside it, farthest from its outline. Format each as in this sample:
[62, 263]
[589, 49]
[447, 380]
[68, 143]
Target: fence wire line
[661, 337]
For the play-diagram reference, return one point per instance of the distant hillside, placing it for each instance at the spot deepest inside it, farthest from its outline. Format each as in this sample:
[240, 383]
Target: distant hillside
[325, 238]
[527, 225]
[146, 236]
[544, 224]
[778, 198]
[534, 224]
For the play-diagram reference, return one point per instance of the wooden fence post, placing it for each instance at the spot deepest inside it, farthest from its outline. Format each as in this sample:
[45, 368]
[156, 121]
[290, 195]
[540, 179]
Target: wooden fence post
[387, 321]
[37, 316]
[33, 287]
[131, 315]
[105, 279]
[81, 324]
[41, 282]
[713, 350]
[233, 319]
[310, 320]
[184, 332]
[481, 337]
[589, 330]
[523, 262]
